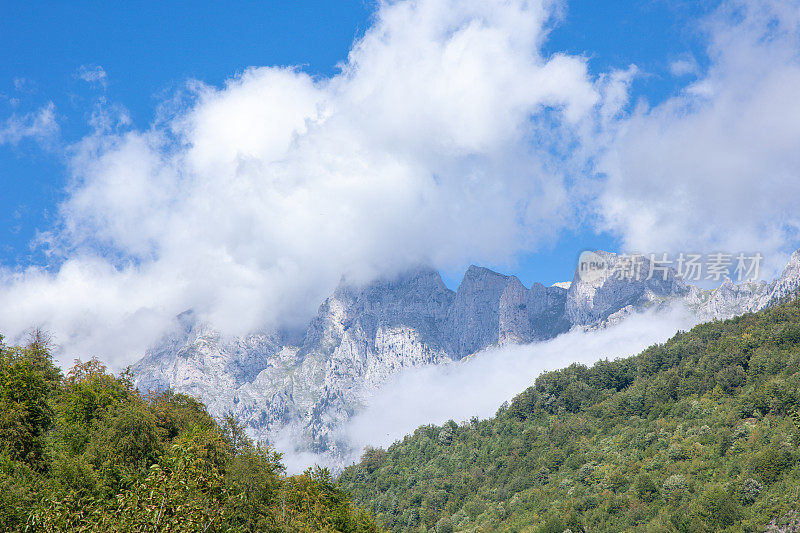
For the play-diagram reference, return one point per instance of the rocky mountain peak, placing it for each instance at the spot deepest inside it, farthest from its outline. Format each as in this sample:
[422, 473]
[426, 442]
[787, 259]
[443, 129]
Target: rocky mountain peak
[475, 313]
[478, 275]
[792, 270]
[364, 334]
[789, 280]
[612, 282]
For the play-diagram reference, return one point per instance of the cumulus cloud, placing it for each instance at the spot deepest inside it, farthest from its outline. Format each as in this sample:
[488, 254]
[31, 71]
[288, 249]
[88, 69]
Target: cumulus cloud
[441, 141]
[478, 385]
[718, 167]
[447, 138]
[40, 125]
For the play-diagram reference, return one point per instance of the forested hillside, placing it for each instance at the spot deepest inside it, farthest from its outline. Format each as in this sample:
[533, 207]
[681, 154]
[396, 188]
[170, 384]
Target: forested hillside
[87, 452]
[698, 434]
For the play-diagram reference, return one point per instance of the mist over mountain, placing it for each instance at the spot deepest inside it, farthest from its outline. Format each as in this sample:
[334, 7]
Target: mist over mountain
[301, 391]
[287, 229]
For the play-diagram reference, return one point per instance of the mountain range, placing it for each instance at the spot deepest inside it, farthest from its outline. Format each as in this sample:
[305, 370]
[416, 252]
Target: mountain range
[301, 389]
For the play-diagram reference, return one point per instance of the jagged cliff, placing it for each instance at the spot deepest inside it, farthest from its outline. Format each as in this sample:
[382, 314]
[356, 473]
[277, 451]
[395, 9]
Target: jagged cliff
[302, 392]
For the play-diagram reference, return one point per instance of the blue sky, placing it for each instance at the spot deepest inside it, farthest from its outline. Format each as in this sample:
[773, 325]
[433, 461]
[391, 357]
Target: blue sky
[240, 159]
[149, 50]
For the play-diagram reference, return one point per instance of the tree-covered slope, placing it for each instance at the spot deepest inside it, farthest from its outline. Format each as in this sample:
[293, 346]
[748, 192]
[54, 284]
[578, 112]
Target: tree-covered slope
[87, 452]
[698, 434]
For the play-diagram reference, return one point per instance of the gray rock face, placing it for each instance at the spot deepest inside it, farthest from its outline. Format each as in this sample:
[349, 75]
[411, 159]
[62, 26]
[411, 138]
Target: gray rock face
[730, 300]
[534, 314]
[475, 314]
[491, 308]
[788, 283]
[788, 523]
[302, 391]
[513, 319]
[594, 299]
[418, 300]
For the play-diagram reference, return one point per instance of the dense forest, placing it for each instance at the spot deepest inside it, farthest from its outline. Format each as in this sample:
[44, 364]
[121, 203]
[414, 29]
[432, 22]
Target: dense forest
[87, 452]
[698, 434]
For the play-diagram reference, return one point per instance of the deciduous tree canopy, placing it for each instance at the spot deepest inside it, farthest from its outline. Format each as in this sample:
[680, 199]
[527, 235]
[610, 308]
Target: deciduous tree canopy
[87, 452]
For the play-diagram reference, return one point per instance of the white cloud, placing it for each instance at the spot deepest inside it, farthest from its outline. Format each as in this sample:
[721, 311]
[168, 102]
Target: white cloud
[435, 144]
[93, 75]
[684, 66]
[447, 138]
[40, 125]
[718, 167]
[477, 386]
[20, 84]
[92, 306]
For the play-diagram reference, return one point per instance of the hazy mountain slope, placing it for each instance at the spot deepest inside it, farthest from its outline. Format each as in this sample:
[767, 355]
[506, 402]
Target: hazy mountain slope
[301, 391]
[698, 434]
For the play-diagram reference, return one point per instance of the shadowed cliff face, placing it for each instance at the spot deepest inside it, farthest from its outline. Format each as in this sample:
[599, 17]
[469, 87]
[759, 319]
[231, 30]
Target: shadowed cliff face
[528, 315]
[598, 297]
[303, 390]
[475, 314]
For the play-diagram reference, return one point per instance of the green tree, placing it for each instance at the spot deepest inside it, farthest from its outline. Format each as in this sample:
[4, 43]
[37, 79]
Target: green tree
[26, 413]
[717, 508]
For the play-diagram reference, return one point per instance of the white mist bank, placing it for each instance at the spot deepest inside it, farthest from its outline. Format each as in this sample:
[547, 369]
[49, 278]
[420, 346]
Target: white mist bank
[478, 385]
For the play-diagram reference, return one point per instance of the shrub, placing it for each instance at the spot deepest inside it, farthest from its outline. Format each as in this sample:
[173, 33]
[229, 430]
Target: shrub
[769, 463]
[674, 486]
[717, 508]
[444, 525]
[676, 452]
[542, 476]
[585, 472]
[645, 488]
[750, 491]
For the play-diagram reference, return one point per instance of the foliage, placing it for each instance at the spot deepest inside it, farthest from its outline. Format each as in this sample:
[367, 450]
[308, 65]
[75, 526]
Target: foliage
[87, 452]
[700, 433]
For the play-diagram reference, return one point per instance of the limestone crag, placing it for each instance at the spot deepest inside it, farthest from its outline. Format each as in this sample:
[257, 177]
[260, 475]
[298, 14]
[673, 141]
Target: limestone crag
[302, 389]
